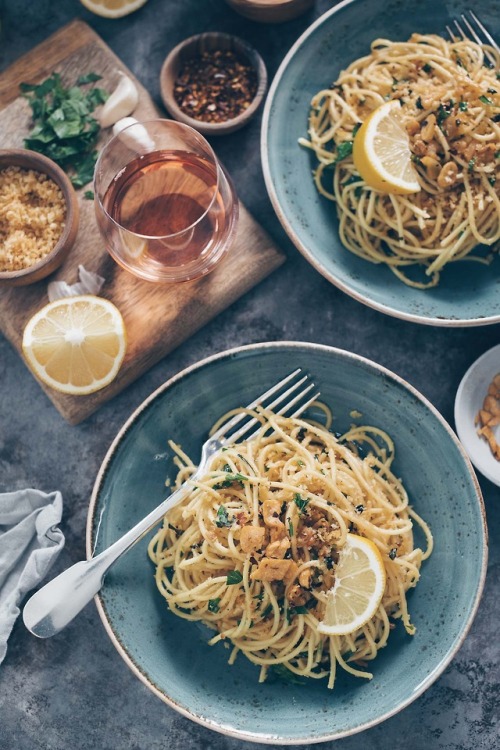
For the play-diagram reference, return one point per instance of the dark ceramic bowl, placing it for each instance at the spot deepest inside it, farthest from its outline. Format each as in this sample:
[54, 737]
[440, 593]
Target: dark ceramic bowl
[172, 657]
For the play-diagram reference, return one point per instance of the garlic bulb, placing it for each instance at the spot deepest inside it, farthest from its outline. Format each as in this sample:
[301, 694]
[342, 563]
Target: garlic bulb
[121, 102]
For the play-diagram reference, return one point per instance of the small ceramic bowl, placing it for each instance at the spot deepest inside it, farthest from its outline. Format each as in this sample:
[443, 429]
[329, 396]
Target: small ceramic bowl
[192, 48]
[270, 11]
[469, 400]
[31, 160]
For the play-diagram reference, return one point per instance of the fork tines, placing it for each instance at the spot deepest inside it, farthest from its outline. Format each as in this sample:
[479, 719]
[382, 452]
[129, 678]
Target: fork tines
[474, 32]
[291, 396]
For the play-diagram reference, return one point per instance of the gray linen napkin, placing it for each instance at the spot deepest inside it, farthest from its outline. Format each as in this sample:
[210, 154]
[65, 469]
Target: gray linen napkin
[29, 543]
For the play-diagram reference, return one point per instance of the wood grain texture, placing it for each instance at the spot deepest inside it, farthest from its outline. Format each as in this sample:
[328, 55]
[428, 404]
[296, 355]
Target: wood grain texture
[157, 317]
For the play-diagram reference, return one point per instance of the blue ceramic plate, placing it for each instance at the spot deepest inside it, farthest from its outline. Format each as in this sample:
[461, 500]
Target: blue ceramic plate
[468, 293]
[171, 656]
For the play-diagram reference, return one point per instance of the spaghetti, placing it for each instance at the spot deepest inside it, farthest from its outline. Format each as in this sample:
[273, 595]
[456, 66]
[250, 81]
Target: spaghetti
[450, 108]
[251, 551]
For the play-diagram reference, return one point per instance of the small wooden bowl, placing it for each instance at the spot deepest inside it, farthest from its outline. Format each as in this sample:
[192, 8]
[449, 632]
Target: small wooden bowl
[270, 11]
[32, 160]
[197, 45]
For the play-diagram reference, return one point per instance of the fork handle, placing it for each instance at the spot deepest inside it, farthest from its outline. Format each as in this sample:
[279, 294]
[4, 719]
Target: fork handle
[55, 605]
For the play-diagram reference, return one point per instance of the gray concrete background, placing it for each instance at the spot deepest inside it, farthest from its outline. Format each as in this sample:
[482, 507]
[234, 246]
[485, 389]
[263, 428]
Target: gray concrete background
[74, 692]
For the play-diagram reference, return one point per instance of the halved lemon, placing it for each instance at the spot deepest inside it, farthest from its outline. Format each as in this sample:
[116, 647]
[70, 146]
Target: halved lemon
[76, 344]
[358, 588]
[381, 152]
[112, 8]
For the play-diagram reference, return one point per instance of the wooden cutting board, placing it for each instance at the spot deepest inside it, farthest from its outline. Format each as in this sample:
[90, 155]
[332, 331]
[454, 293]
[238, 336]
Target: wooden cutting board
[157, 317]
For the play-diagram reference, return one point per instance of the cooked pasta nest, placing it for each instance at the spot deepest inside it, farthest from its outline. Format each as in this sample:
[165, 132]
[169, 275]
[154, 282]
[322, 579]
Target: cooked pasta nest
[252, 549]
[450, 108]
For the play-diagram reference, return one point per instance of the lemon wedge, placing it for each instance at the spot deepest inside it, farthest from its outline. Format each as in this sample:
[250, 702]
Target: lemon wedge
[358, 589]
[381, 152]
[75, 345]
[112, 8]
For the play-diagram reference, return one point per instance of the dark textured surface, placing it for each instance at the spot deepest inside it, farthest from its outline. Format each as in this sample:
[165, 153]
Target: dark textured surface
[74, 692]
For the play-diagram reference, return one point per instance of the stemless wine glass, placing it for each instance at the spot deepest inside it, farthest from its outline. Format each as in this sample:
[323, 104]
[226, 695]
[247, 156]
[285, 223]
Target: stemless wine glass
[164, 205]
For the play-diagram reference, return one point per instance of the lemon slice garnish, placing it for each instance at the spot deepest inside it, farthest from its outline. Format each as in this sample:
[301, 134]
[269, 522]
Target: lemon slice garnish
[112, 8]
[381, 152]
[75, 345]
[358, 589]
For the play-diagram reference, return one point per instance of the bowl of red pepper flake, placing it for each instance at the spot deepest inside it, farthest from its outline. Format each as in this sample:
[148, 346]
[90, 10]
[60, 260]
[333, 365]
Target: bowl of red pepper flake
[214, 82]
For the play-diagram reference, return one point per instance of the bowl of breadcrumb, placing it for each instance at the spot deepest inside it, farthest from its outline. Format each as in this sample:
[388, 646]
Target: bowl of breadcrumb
[39, 216]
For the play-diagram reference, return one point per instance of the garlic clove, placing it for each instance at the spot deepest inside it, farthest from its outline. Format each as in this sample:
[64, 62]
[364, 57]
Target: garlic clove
[120, 103]
[137, 138]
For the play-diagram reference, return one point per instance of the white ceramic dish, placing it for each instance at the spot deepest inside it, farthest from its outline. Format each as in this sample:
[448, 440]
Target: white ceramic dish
[468, 401]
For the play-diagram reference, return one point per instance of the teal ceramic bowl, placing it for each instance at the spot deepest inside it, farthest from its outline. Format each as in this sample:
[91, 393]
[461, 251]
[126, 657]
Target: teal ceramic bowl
[468, 293]
[171, 656]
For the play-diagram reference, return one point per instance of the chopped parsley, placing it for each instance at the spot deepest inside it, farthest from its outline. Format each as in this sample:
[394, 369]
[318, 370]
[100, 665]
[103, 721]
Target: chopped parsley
[223, 517]
[485, 99]
[300, 502]
[234, 577]
[63, 126]
[213, 605]
[393, 553]
[463, 106]
[344, 150]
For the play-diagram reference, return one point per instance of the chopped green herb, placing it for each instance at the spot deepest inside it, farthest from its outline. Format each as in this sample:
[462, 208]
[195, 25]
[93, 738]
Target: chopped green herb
[485, 99]
[418, 103]
[444, 111]
[213, 605]
[492, 180]
[300, 502]
[393, 553]
[89, 195]
[63, 126]
[344, 150]
[282, 673]
[234, 577]
[416, 159]
[267, 611]
[299, 461]
[301, 610]
[463, 106]
[427, 68]
[223, 517]
[290, 527]
[471, 163]
[359, 508]
[491, 91]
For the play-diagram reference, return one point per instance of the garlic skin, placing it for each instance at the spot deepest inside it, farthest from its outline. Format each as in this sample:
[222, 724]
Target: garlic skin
[137, 139]
[120, 103]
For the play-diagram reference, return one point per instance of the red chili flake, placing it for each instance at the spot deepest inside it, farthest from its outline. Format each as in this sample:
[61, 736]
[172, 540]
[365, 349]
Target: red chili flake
[215, 86]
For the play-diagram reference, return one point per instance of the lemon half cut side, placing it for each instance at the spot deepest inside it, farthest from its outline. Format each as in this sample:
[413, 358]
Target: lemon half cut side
[75, 345]
[358, 589]
[113, 8]
[382, 154]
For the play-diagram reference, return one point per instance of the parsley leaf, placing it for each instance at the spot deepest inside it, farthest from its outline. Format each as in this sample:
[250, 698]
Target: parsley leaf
[223, 518]
[63, 126]
[234, 577]
[300, 502]
[213, 605]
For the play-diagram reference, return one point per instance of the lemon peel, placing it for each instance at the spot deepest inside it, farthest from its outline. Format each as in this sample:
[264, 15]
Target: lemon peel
[381, 152]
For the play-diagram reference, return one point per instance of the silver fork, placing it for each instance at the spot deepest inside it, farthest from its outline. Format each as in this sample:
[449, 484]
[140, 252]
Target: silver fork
[51, 608]
[475, 32]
